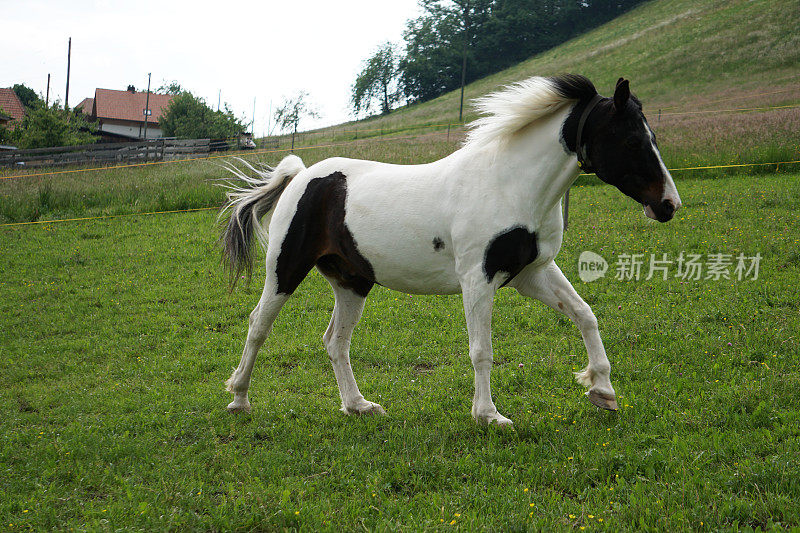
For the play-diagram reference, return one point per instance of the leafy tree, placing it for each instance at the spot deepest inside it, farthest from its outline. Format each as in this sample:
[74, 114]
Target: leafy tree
[43, 127]
[430, 65]
[189, 117]
[469, 16]
[169, 87]
[440, 51]
[377, 81]
[475, 38]
[292, 110]
[5, 133]
[27, 96]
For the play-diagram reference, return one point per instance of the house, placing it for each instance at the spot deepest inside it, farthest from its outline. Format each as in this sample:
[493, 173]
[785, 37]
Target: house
[11, 109]
[120, 115]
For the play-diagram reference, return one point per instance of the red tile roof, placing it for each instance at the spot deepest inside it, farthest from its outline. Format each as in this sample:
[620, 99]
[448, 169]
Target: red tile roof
[86, 106]
[126, 105]
[10, 104]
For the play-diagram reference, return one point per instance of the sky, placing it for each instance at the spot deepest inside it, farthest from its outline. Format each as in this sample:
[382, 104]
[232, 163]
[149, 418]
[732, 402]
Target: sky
[246, 50]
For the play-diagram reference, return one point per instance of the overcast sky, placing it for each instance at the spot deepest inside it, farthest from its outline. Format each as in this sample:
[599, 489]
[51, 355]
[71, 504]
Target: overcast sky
[264, 50]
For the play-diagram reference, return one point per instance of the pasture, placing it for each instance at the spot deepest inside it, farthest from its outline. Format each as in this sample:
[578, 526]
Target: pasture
[117, 336]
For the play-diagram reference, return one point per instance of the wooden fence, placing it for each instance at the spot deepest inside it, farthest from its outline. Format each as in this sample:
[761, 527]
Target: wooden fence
[132, 152]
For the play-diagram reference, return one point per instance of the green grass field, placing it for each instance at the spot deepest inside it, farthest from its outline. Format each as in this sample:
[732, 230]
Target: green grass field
[118, 334]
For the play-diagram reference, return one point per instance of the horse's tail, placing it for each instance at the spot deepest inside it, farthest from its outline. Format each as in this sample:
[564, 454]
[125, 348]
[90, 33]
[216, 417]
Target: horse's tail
[251, 198]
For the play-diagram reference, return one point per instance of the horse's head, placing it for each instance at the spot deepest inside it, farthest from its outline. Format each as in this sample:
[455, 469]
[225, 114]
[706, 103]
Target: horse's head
[614, 141]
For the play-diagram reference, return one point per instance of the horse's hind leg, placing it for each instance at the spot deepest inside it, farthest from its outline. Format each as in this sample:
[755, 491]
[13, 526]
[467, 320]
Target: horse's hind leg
[346, 314]
[261, 320]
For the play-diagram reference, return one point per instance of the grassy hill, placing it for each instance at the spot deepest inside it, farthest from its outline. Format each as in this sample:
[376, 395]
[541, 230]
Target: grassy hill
[679, 53]
[690, 61]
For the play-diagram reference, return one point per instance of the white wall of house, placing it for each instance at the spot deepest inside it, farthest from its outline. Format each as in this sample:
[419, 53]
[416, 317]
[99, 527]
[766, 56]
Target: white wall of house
[132, 131]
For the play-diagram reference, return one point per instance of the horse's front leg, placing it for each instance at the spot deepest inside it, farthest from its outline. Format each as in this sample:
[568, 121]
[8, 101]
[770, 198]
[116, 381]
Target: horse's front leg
[549, 285]
[478, 300]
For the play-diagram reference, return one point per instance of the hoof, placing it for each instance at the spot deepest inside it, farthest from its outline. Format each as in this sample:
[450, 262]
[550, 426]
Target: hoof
[238, 407]
[602, 400]
[496, 419]
[365, 409]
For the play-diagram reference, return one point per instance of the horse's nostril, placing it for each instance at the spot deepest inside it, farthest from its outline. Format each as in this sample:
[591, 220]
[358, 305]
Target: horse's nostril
[668, 207]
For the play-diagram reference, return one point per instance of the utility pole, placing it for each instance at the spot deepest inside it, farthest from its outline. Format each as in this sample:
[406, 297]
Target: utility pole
[463, 80]
[47, 98]
[69, 56]
[269, 119]
[465, 13]
[147, 106]
[253, 124]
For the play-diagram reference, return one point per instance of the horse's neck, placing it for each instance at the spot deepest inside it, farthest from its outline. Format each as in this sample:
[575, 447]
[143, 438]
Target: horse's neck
[535, 165]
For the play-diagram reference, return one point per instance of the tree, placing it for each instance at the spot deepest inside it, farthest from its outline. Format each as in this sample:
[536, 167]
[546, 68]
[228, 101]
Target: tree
[169, 87]
[44, 127]
[27, 96]
[469, 16]
[189, 117]
[470, 39]
[377, 81]
[292, 110]
[429, 66]
[439, 46]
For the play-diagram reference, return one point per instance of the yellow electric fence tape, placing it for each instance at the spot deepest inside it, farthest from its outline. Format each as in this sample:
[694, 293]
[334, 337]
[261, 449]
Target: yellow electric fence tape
[778, 163]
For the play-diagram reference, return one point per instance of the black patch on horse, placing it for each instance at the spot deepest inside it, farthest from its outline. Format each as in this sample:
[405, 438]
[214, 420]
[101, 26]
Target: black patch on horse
[319, 236]
[510, 252]
[438, 244]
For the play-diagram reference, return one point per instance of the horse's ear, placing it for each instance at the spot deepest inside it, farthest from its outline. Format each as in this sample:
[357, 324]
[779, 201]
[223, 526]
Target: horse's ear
[621, 94]
[620, 81]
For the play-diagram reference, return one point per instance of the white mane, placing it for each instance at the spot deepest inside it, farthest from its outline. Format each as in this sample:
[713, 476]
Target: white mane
[509, 110]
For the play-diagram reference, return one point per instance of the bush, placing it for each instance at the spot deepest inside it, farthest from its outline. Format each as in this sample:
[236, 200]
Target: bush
[189, 117]
[44, 127]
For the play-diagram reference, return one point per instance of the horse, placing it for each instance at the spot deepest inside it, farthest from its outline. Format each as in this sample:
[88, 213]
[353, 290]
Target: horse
[484, 217]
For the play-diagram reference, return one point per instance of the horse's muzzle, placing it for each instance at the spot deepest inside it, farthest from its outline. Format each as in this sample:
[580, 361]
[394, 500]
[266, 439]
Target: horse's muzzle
[662, 212]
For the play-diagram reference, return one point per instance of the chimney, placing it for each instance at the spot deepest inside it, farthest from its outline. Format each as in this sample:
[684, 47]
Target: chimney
[131, 89]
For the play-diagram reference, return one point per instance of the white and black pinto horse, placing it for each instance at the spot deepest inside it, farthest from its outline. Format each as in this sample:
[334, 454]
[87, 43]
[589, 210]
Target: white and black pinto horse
[487, 216]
